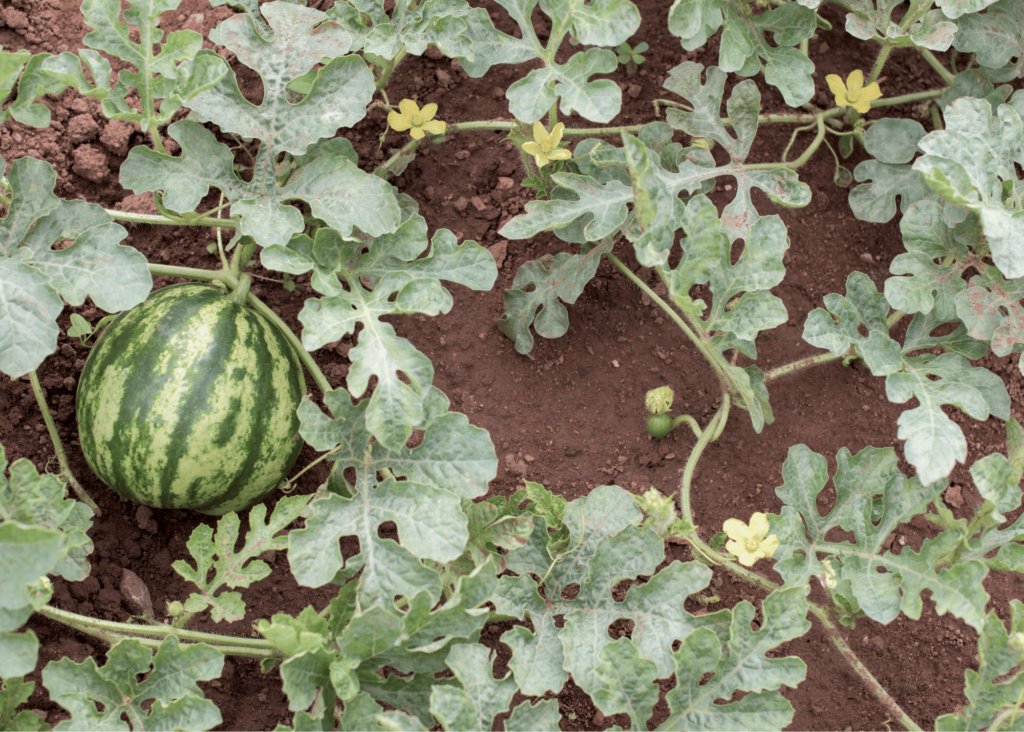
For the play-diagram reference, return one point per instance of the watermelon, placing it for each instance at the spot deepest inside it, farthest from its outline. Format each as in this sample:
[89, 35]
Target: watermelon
[188, 401]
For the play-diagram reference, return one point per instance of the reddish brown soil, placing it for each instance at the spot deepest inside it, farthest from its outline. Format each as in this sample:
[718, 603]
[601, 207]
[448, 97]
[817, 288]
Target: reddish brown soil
[571, 417]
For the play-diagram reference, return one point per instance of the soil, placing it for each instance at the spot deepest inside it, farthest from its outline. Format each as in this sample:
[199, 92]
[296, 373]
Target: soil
[570, 417]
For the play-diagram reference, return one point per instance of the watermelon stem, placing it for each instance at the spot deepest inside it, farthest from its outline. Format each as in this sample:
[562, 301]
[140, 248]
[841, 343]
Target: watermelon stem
[241, 289]
[149, 635]
[58, 447]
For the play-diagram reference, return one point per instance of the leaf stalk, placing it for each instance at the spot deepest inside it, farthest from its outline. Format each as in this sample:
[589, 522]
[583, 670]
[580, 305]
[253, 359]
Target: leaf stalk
[58, 446]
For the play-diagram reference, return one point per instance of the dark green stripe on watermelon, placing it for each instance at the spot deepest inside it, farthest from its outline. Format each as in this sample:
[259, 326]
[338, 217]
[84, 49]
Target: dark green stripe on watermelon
[188, 401]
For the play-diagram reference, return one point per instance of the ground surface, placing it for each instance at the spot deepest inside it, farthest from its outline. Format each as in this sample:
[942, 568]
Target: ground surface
[572, 418]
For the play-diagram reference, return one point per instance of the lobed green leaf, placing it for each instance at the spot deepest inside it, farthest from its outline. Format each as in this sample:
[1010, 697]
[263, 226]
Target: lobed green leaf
[97, 697]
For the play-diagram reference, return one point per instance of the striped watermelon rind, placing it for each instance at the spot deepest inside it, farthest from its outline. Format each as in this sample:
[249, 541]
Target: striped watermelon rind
[189, 401]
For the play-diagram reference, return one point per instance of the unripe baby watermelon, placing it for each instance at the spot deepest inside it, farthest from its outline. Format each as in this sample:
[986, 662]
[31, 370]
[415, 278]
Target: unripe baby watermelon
[188, 401]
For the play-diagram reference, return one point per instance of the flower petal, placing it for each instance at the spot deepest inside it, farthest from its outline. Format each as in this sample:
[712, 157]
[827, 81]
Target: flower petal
[417, 133]
[434, 126]
[871, 92]
[561, 154]
[748, 560]
[531, 148]
[409, 108]
[769, 545]
[736, 530]
[556, 135]
[855, 82]
[542, 159]
[836, 85]
[429, 111]
[398, 122]
[734, 547]
[862, 106]
[540, 134]
[759, 526]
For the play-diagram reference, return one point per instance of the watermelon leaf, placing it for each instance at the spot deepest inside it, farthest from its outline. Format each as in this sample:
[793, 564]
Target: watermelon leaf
[872, 499]
[13, 693]
[97, 697]
[606, 545]
[41, 533]
[480, 699]
[597, 24]
[994, 688]
[542, 716]
[36, 277]
[364, 280]
[231, 568]
[738, 661]
[335, 189]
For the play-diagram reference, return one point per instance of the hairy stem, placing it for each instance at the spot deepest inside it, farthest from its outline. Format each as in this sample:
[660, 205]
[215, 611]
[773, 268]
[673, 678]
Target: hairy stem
[811, 149]
[793, 367]
[711, 432]
[58, 447]
[883, 56]
[150, 635]
[686, 418]
[941, 70]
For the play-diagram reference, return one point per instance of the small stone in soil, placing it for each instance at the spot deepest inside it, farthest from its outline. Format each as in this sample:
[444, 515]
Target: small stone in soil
[136, 594]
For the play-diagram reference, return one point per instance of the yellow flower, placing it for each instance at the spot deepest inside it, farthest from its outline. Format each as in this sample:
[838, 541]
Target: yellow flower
[544, 146]
[417, 121]
[659, 401]
[750, 543]
[853, 93]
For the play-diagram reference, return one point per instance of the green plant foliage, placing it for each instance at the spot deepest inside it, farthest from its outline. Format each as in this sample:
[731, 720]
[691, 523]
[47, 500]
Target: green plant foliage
[334, 188]
[744, 42]
[37, 277]
[738, 662]
[742, 305]
[893, 143]
[97, 697]
[937, 258]
[364, 280]
[993, 688]
[934, 442]
[971, 164]
[234, 568]
[13, 693]
[538, 291]
[542, 717]
[996, 38]
[11, 65]
[596, 24]
[31, 499]
[441, 23]
[836, 328]
[481, 698]
[780, 184]
[339, 656]
[35, 518]
[176, 74]
[453, 463]
[605, 546]
[870, 20]
[872, 499]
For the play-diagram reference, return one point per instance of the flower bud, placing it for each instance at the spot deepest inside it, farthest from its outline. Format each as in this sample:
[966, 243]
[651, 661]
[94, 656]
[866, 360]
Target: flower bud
[175, 609]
